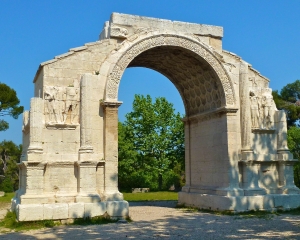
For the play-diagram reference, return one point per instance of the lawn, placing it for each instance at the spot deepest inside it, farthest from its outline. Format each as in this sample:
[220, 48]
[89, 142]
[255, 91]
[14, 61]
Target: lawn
[151, 196]
[7, 197]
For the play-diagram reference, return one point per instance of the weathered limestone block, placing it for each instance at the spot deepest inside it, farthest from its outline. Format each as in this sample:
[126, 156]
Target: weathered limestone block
[14, 204]
[143, 23]
[76, 210]
[86, 124]
[95, 209]
[250, 179]
[36, 198]
[118, 208]
[111, 151]
[60, 177]
[187, 155]
[240, 203]
[245, 109]
[56, 211]
[34, 153]
[34, 177]
[30, 212]
[87, 177]
[286, 202]
[286, 177]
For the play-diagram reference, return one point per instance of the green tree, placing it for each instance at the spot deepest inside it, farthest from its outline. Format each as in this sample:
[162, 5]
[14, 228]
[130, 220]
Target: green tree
[294, 146]
[10, 154]
[129, 170]
[289, 100]
[9, 105]
[151, 144]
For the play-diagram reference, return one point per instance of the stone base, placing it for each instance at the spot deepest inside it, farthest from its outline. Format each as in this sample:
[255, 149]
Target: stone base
[60, 211]
[268, 202]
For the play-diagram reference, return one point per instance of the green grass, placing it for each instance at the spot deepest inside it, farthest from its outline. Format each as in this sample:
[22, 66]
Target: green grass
[10, 222]
[6, 200]
[151, 196]
[294, 211]
[7, 197]
[94, 221]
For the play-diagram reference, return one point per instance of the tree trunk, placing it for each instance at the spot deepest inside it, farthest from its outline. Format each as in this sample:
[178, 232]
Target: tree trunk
[159, 181]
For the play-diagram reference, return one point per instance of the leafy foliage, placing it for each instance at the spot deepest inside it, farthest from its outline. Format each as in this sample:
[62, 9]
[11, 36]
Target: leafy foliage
[151, 145]
[294, 146]
[9, 105]
[9, 173]
[289, 100]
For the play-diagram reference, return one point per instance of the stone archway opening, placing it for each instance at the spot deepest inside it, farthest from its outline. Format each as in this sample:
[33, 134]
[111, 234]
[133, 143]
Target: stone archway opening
[145, 81]
[194, 78]
[152, 174]
[203, 96]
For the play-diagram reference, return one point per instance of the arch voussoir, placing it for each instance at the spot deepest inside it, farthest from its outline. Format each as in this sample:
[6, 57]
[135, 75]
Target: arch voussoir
[162, 39]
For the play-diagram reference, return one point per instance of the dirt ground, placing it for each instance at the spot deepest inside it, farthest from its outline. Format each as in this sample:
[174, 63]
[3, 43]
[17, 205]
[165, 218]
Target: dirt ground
[161, 220]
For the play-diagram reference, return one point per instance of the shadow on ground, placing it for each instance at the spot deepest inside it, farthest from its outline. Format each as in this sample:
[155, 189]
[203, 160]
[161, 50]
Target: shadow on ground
[166, 222]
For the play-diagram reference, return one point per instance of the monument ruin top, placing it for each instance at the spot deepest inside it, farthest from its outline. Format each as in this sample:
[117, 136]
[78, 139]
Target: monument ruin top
[134, 23]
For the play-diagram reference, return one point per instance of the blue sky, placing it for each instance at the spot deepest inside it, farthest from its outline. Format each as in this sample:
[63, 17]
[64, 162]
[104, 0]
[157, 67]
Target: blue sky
[264, 33]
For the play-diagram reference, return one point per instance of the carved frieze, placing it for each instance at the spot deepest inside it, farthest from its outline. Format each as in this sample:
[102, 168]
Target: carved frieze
[262, 108]
[62, 106]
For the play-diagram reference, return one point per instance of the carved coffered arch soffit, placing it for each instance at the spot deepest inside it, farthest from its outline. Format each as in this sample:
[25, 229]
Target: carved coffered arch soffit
[201, 90]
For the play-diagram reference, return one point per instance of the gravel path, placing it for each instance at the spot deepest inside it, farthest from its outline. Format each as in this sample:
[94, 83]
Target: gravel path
[164, 221]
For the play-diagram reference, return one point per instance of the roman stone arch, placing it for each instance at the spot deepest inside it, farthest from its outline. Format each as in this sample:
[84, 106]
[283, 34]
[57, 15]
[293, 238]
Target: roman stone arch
[183, 45]
[200, 78]
[236, 153]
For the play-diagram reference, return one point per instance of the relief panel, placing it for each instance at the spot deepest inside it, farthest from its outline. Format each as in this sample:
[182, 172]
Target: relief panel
[62, 106]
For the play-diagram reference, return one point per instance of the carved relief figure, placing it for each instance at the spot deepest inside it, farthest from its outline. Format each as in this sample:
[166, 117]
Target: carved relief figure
[253, 79]
[72, 101]
[25, 120]
[61, 105]
[267, 103]
[49, 109]
[255, 107]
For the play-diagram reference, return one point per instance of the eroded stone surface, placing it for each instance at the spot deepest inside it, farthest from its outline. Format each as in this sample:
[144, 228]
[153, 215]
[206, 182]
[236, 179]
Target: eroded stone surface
[235, 139]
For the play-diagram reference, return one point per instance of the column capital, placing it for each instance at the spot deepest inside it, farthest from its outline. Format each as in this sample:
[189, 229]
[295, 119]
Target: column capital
[110, 104]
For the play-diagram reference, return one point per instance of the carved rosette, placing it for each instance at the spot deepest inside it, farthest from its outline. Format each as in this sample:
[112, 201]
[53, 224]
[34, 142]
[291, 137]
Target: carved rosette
[168, 40]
